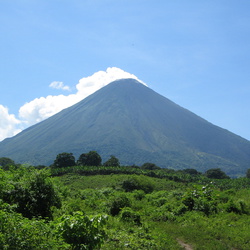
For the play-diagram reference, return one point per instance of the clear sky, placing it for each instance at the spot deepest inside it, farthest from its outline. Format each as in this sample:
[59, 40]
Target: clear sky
[194, 52]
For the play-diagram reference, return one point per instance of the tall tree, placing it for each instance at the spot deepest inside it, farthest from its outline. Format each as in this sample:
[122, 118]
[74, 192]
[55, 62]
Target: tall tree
[92, 158]
[248, 173]
[112, 162]
[150, 166]
[6, 162]
[64, 160]
[216, 173]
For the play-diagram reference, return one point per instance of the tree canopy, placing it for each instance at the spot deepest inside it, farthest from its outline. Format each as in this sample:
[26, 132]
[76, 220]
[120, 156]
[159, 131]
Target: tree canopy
[216, 173]
[92, 158]
[6, 162]
[64, 160]
[112, 162]
[150, 166]
[248, 173]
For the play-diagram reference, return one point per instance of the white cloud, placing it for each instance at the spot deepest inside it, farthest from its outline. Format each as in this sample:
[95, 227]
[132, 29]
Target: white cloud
[44, 107]
[8, 123]
[59, 85]
[90, 84]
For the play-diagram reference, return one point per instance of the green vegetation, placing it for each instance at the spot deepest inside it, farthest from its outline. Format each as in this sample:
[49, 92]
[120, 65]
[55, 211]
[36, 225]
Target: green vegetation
[115, 207]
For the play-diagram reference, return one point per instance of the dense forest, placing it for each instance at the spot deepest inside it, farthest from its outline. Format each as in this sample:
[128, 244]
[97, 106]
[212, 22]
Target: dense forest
[85, 204]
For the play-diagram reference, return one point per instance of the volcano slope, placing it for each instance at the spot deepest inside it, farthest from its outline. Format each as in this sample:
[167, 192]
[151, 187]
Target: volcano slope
[137, 125]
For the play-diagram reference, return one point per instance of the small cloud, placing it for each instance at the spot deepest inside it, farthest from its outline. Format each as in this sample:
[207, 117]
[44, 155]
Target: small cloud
[8, 123]
[59, 85]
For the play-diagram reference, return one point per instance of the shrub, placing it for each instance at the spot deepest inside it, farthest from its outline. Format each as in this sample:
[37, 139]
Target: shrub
[33, 195]
[17, 232]
[200, 200]
[82, 232]
[137, 183]
[139, 194]
[118, 203]
[236, 207]
[128, 215]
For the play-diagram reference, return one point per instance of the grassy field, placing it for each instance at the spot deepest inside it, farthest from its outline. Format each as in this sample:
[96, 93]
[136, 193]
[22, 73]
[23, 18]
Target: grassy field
[122, 211]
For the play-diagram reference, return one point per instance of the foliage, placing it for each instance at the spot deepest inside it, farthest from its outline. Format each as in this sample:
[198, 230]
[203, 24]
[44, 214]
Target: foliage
[128, 215]
[117, 203]
[146, 212]
[92, 158]
[64, 160]
[112, 162]
[200, 200]
[6, 163]
[17, 232]
[82, 232]
[33, 194]
[137, 183]
[216, 173]
[150, 166]
[191, 171]
[248, 173]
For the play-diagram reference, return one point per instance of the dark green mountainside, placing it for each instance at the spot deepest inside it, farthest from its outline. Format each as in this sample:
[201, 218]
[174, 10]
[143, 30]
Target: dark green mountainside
[137, 125]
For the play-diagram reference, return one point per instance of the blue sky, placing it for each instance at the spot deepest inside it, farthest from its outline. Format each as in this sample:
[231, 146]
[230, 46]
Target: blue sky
[196, 53]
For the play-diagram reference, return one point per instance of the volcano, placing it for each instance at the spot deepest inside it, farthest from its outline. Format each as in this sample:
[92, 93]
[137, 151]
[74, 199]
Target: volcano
[137, 125]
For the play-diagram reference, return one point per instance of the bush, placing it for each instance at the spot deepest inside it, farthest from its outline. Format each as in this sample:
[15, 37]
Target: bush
[82, 232]
[17, 232]
[128, 215]
[200, 200]
[236, 207]
[137, 183]
[139, 194]
[118, 203]
[34, 195]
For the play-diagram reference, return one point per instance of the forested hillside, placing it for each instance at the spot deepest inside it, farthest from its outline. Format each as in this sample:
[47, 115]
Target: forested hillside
[115, 207]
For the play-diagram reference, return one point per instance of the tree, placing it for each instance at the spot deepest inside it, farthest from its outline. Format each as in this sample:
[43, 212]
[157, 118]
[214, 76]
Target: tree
[191, 171]
[216, 173]
[248, 173]
[92, 158]
[150, 166]
[112, 162]
[6, 163]
[64, 160]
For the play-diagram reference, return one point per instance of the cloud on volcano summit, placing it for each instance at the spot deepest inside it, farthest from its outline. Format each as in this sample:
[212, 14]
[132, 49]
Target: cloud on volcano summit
[44, 107]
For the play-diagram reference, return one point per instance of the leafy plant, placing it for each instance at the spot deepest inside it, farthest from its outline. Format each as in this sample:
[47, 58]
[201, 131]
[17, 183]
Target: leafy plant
[118, 202]
[137, 183]
[82, 232]
[33, 194]
[128, 215]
